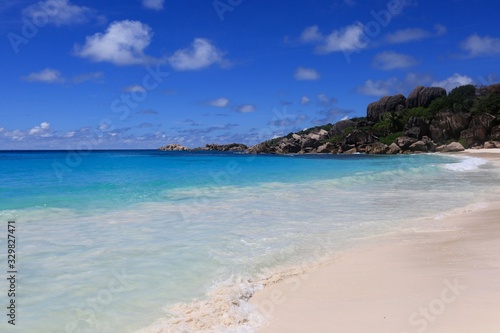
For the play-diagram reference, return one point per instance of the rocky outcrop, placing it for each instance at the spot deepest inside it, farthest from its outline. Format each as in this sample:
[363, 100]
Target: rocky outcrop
[340, 127]
[423, 96]
[447, 125]
[394, 103]
[394, 149]
[417, 127]
[173, 147]
[404, 142]
[377, 148]
[495, 133]
[452, 147]
[227, 147]
[424, 145]
[262, 148]
[479, 129]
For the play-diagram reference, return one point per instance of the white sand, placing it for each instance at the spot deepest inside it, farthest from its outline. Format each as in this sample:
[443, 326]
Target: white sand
[437, 276]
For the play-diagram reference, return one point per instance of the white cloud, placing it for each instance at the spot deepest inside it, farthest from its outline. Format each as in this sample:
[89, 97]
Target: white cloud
[304, 100]
[349, 38]
[245, 108]
[58, 12]
[153, 4]
[42, 130]
[414, 34]
[453, 81]
[94, 76]
[391, 60]
[123, 43]
[481, 46]
[135, 88]
[309, 74]
[201, 54]
[219, 102]
[47, 75]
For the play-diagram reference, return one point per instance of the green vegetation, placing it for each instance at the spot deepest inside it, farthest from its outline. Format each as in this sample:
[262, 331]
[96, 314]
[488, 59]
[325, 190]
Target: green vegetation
[390, 138]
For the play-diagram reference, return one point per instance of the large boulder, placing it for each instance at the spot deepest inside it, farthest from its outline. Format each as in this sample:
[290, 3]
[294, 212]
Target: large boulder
[289, 146]
[479, 129]
[495, 133]
[404, 142]
[447, 125]
[377, 148]
[359, 137]
[423, 145]
[386, 104]
[326, 148]
[417, 127]
[452, 147]
[394, 149]
[340, 127]
[423, 96]
[262, 148]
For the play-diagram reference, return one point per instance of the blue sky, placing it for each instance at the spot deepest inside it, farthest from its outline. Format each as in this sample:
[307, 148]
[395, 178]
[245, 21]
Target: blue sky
[144, 73]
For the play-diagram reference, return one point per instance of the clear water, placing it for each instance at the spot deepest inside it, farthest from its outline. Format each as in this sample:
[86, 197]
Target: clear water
[110, 241]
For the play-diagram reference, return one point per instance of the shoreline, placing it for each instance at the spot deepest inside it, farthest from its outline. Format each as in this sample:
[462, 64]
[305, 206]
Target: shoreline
[433, 276]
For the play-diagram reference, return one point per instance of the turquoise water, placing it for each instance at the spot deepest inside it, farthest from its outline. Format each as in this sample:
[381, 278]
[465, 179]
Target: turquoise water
[111, 241]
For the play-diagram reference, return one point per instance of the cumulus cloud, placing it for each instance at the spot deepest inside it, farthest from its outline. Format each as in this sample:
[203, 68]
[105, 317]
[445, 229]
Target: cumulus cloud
[245, 108]
[123, 43]
[48, 75]
[349, 38]
[414, 34]
[153, 4]
[453, 81]
[201, 54]
[308, 74]
[219, 102]
[42, 130]
[391, 60]
[476, 45]
[59, 12]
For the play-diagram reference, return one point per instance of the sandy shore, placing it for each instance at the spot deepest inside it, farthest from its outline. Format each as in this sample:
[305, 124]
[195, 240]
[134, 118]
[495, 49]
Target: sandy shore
[438, 276]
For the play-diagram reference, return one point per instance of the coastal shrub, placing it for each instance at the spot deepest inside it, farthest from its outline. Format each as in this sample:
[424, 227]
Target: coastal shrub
[487, 104]
[391, 138]
[391, 122]
[419, 112]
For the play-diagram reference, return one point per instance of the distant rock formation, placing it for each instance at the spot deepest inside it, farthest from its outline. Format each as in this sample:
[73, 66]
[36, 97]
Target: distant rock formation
[423, 96]
[386, 104]
[413, 127]
[173, 147]
[211, 147]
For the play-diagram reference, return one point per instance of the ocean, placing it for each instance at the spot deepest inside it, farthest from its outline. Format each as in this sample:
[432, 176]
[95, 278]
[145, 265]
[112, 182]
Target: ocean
[149, 241]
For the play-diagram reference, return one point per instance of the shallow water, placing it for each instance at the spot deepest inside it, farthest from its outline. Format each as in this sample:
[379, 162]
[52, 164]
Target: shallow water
[115, 240]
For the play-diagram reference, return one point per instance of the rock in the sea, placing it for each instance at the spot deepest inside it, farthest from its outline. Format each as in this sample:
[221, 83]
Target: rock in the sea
[394, 149]
[423, 96]
[351, 151]
[447, 125]
[173, 147]
[386, 104]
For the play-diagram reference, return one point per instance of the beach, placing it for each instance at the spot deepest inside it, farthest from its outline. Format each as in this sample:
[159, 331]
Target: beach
[436, 275]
